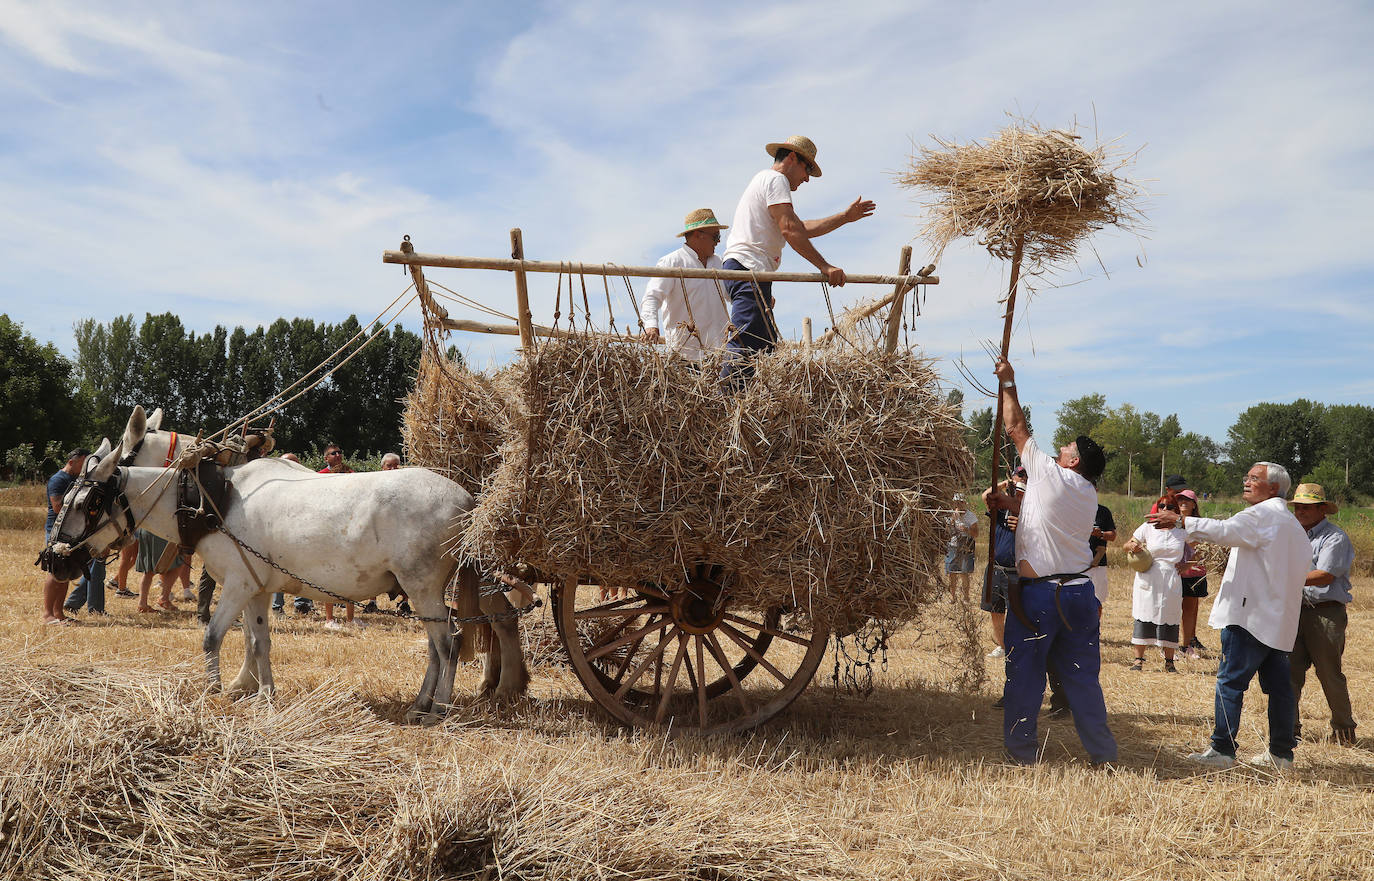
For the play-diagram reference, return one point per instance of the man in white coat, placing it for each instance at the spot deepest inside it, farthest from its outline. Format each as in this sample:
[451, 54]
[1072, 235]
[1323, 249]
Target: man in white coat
[1256, 611]
[689, 314]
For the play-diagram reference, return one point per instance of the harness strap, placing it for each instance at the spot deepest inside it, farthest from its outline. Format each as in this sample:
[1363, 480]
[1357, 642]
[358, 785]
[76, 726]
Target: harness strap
[171, 450]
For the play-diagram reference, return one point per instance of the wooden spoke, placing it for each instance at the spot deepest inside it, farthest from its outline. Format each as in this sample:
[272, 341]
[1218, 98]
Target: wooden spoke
[701, 683]
[588, 614]
[607, 648]
[655, 656]
[764, 628]
[629, 656]
[613, 604]
[672, 677]
[751, 652]
[735, 687]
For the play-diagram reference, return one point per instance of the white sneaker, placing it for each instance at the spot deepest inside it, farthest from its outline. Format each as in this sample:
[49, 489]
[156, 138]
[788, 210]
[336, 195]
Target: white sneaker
[332, 624]
[1270, 762]
[187, 596]
[997, 653]
[1213, 758]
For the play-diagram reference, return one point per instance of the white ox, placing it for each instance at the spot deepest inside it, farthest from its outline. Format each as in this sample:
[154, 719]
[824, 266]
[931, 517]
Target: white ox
[357, 535]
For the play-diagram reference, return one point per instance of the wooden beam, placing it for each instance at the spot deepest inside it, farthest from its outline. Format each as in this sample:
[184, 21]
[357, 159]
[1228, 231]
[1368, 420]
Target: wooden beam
[515, 330]
[894, 316]
[924, 277]
[520, 266]
[522, 291]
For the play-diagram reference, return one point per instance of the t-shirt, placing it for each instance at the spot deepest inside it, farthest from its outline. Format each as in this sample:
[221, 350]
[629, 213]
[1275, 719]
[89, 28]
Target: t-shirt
[1057, 516]
[755, 239]
[960, 538]
[344, 470]
[1004, 542]
[1105, 523]
[58, 485]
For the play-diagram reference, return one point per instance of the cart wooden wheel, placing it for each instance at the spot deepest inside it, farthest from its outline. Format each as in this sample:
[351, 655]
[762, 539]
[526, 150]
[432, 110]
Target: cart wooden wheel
[680, 657]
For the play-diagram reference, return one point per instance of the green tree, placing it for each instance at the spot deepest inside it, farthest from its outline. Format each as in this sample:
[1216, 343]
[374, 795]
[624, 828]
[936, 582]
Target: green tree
[36, 387]
[979, 436]
[1125, 437]
[1292, 435]
[1079, 416]
[106, 373]
[1350, 448]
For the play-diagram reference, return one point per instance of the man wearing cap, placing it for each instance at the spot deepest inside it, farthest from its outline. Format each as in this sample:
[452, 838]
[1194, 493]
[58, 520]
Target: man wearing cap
[689, 314]
[90, 590]
[764, 221]
[1256, 610]
[1055, 611]
[1321, 623]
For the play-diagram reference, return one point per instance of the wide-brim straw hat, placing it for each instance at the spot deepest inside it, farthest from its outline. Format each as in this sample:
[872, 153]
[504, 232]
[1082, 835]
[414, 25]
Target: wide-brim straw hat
[803, 147]
[702, 218]
[1313, 494]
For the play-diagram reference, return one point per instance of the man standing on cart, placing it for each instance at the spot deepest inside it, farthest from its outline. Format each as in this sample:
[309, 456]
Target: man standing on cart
[689, 314]
[1055, 611]
[764, 221]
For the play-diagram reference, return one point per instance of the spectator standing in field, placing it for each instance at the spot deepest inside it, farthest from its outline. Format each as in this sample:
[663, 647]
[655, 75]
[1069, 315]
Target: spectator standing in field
[150, 551]
[1256, 609]
[962, 547]
[89, 590]
[1321, 623]
[764, 221]
[688, 314]
[1194, 575]
[54, 611]
[1104, 532]
[120, 583]
[1055, 612]
[1005, 506]
[334, 464]
[1157, 600]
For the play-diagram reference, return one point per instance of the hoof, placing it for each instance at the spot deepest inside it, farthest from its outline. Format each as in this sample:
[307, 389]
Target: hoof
[239, 689]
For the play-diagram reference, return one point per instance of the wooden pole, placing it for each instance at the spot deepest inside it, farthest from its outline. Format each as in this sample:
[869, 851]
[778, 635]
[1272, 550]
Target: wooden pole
[522, 291]
[1007, 320]
[520, 265]
[894, 317]
[806, 339]
[922, 277]
[515, 330]
[417, 275]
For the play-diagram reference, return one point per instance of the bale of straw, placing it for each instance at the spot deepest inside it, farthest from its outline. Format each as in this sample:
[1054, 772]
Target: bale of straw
[455, 420]
[824, 485]
[1026, 181]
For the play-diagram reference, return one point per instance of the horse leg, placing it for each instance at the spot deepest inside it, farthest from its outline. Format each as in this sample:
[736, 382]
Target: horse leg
[232, 600]
[256, 675]
[514, 676]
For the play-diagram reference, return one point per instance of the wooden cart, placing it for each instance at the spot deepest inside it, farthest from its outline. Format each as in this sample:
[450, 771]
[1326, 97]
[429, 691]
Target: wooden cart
[680, 655]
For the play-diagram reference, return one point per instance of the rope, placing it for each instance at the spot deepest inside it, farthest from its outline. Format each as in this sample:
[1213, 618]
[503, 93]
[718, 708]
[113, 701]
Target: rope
[469, 302]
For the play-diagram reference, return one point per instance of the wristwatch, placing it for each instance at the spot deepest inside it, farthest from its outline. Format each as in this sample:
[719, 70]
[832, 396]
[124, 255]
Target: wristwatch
[1008, 384]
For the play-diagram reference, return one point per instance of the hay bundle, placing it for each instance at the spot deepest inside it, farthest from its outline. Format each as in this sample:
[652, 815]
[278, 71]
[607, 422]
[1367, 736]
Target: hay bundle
[1027, 183]
[824, 484]
[1214, 557]
[455, 420]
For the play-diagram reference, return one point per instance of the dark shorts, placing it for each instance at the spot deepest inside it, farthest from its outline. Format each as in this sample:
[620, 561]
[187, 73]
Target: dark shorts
[997, 593]
[1148, 633]
[959, 558]
[1195, 585]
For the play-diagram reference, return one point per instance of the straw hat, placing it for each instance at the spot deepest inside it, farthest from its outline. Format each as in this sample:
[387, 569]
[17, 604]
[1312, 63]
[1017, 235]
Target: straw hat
[1313, 494]
[702, 218]
[803, 147]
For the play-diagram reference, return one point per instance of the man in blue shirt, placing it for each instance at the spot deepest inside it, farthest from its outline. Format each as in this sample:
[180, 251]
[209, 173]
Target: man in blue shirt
[53, 608]
[1322, 621]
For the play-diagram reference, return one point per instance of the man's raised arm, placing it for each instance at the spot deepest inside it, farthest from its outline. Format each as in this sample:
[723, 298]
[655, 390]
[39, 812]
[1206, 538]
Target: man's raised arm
[1013, 419]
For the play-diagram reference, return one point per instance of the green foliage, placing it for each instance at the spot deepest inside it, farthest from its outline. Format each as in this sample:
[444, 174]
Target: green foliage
[1080, 416]
[1292, 435]
[979, 439]
[22, 463]
[36, 390]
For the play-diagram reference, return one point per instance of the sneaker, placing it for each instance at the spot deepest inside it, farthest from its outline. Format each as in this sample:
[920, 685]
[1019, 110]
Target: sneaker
[332, 624]
[997, 652]
[1212, 758]
[1191, 654]
[1270, 762]
[187, 596]
[1194, 643]
[126, 594]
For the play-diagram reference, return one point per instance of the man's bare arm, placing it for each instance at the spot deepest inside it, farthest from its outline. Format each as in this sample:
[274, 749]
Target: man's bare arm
[794, 231]
[1013, 418]
[1319, 578]
[857, 210]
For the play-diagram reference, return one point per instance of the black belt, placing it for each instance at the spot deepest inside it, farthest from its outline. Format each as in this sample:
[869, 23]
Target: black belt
[1323, 604]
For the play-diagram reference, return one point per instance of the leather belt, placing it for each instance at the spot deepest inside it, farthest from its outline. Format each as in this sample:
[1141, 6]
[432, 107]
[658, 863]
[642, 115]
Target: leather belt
[1323, 604]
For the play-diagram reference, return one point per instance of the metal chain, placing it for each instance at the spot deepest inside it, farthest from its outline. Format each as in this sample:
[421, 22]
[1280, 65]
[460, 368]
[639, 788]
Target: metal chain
[870, 646]
[496, 616]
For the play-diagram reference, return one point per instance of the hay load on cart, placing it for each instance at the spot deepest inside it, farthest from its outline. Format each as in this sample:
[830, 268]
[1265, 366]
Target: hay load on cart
[732, 531]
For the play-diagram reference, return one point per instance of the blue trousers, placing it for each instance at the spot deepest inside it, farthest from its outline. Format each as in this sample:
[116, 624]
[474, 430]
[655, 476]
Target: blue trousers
[1073, 651]
[83, 593]
[755, 329]
[1243, 656]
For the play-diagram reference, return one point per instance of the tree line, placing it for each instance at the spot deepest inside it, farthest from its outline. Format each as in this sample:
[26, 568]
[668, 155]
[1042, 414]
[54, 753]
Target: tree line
[1317, 443]
[201, 382]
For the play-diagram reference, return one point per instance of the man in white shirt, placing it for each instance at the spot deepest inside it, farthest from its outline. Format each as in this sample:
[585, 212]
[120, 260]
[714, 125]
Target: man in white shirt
[1055, 620]
[1256, 610]
[689, 314]
[764, 221]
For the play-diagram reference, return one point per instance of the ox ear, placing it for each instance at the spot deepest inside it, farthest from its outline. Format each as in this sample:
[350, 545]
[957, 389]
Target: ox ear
[108, 463]
[136, 429]
[155, 421]
[104, 449]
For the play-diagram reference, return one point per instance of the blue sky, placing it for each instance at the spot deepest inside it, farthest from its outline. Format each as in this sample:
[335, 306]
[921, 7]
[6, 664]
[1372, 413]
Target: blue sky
[238, 162]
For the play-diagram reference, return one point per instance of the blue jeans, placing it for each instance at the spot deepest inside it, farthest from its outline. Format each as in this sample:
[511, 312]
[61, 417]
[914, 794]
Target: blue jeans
[1073, 651]
[1242, 656]
[83, 594]
[755, 329]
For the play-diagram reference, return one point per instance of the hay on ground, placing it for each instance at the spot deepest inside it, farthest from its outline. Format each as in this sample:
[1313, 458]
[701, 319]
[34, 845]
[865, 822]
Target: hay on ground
[1026, 181]
[825, 484]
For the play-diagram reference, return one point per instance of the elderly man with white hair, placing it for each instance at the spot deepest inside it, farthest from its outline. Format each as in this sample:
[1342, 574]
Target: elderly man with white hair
[1256, 611]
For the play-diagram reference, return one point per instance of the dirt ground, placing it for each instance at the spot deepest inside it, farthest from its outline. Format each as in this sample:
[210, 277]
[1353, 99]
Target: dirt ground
[907, 783]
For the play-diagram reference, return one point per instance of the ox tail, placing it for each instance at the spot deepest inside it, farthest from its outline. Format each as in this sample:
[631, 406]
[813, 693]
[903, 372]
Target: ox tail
[476, 634]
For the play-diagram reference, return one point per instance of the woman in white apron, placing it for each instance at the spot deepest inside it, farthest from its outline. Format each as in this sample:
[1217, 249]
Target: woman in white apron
[1157, 600]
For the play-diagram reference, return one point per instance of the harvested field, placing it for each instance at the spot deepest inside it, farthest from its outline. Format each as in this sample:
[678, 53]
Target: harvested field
[117, 766]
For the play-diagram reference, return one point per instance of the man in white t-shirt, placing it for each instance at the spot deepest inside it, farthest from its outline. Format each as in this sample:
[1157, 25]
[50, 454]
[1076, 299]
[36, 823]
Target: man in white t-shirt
[764, 221]
[1055, 620]
[689, 314]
